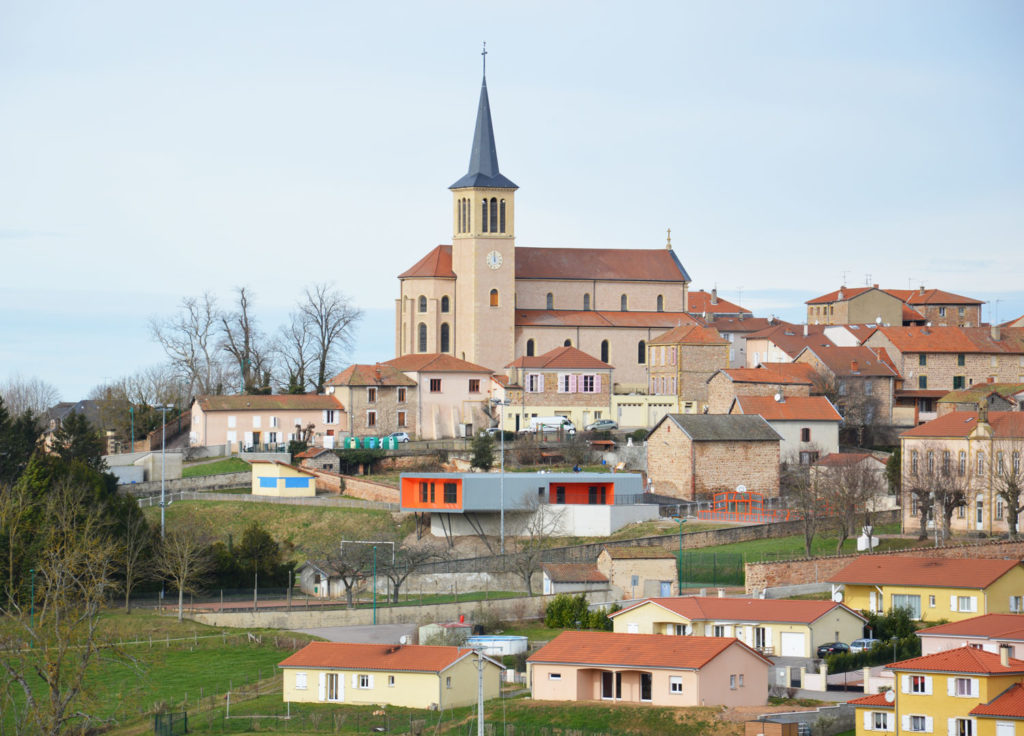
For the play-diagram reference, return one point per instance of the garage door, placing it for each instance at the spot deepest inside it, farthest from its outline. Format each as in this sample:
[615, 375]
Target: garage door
[793, 645]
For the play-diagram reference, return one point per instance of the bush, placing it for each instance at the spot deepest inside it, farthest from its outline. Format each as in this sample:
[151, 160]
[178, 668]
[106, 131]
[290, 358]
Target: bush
[566, 612]
[483, 451]
[639, 435]
[906, 648]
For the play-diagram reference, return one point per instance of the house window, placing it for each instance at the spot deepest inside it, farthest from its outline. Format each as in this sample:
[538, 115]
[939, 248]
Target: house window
[964, 603]
[922, 359]
[494, 297]
[931, 461]
[364, 682]
[958, 383]
[301, 681]
[919, 723]
[535, 383]
[586, 302]
[913, 462]
[999, 463]
[604, 351]
[371, 395]
[661, 303]
[450, 493]
[879, 721]
[424, 497]
[945, 461]
[448, 682]
[961, 359]
[483, 211]
[964, 687]
[1016, 462]
[274, 422]
[232, 421]
[401, 394]
[999, 509]
[805, 434]
[446, 304]
[422, 336]
[589, 383]
[623, 303]
[942, 311]
[913, 505]
[330, 416]
[922, 382]
[732, 682]
[760, 637]
[567, 343]
[371, 419]
[981, 463]
[445, 338]
[529, 348]
[963, 727]
[718, 630]
[918, 684]
[1016, 605]
[401, 419]
[641, 352]
[808, 457]
[963, 462]
[675, 684]
[333, 691]
[474, 385]
[423, 304]
[435, 385]
[741, 679]
[554, 675]
[391, 680]
[549, 302]
[931, 601]
[961, 512]
[911, 602]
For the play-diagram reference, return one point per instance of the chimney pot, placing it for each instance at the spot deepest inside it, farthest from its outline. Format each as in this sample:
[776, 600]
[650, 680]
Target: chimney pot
[1004, 655]
[853, 366]
[714, 295]
[805, 330]
[996, 332]
[875, 286]
[922, 290]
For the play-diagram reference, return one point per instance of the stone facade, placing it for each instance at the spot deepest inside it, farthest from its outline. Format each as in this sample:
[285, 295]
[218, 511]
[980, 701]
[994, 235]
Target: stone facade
[681, 368]
[722, 390]
[650, 568]
[956, 315]
[856, 306]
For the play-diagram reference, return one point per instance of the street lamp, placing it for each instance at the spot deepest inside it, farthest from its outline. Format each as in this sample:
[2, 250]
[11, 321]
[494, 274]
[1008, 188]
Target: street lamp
[163, 463]
[679, 568]
[501, 403]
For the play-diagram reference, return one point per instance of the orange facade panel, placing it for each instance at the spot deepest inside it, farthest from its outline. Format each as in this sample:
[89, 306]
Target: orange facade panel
[582, 493]
[431, 493]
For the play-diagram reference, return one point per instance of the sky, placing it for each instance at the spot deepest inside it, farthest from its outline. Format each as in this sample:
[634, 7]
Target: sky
[155, 151]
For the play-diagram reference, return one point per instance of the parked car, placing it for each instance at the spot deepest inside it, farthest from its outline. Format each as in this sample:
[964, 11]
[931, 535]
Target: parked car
[400, 436]
[602, 425]
[833, 647]
[862, 645]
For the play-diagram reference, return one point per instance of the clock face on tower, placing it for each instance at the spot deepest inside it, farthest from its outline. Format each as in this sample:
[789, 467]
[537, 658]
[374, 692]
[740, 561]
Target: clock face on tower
[493, 260]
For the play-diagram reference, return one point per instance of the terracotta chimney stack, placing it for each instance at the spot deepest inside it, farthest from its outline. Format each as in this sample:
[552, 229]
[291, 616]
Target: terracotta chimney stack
[714, 295]
[1004, 655]
[854, 367]
[995, 332]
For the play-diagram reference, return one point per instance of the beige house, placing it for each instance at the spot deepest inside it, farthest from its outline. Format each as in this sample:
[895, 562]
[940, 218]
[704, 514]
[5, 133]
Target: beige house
[562, 382]
[410, 676]
[380, 399]
[782, 343]
[681, 361]
[788, 628]
[991, 632]
[865, 384]
[273, 478]
[639, 572]
[452, 395]
[665, 671]
[248, 422]
[793, 379]
[855, 305]
[692, 456]
[808, 425]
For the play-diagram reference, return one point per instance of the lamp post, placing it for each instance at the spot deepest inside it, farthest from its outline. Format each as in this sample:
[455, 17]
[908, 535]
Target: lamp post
[163, 464]
[501, 404]
[375, 585]
[679, 568]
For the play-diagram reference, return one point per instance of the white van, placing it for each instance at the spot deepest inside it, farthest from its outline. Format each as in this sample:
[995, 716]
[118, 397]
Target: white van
[551, 424]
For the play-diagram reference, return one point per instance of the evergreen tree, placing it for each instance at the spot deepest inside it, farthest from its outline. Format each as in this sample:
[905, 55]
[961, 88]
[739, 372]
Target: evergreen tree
[483, 451]
[18, 436]
[77, 439]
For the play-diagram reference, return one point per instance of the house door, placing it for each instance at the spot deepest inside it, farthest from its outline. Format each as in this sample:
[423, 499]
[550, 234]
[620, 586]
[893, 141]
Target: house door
[256, 439]
[332, 687]
[607, 685]
[666, 589]
[979, 513]
[645, 686]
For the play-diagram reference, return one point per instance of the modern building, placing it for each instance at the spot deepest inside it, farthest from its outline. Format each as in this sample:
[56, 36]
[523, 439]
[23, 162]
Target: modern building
[666, 671]
[250, 422]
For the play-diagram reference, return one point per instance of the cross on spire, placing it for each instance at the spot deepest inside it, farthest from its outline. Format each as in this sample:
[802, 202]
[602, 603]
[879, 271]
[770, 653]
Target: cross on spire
[484, 55]
[668, 239]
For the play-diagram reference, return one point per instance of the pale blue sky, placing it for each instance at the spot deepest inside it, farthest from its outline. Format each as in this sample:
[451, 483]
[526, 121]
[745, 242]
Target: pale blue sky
[151, 152]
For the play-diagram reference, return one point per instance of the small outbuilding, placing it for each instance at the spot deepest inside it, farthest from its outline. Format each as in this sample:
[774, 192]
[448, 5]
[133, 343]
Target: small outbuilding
[274, 478]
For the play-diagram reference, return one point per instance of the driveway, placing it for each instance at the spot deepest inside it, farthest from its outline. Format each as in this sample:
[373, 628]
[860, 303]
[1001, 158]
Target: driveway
[382, 634]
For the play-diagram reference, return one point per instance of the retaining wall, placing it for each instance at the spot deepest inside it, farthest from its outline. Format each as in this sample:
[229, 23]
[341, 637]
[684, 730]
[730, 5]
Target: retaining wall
[329, 501]
[197, 483]
[838, 717]
[370, 490]
[761, 575]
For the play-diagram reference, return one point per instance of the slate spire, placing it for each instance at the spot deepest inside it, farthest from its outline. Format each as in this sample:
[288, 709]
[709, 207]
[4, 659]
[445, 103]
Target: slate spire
[483, 158]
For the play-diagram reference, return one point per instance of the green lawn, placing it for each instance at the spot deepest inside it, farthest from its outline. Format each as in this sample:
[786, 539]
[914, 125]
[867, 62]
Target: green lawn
[786, 547]
[228, 465]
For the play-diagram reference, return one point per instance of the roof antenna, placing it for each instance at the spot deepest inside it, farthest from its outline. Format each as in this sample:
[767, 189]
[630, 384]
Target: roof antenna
[484, 54]
[844, 276]
[668, 239]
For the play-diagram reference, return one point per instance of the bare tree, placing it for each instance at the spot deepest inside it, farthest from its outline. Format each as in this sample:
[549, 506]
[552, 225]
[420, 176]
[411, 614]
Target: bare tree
[1009, 483]
[804, 492]
[32, 395]
[294, 352]
[183, 557]
[241, 338]
[531, 534]
[850, 487]
[135, 554]
[331, 319]
[938, 482]
[189, 338]
[407, 559]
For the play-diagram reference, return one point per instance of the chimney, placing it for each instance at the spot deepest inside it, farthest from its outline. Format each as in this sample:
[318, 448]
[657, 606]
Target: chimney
[996, 333]
[805, 330]
[983, 412]
[714, 295]
[721, 592]
[840, 295]
[1004, 655]
[854, 367]
[874, 286]
[921, 291]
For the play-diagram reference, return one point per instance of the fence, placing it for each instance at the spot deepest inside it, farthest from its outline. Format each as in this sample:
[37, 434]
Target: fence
[712, 568]
[170, 724]
[333, 501]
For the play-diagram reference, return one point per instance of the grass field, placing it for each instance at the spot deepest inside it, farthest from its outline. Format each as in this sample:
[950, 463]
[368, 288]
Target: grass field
[228, 465]
[785, 547]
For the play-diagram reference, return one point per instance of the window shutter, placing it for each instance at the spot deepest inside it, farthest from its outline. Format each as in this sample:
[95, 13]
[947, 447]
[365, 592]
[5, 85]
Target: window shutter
[951, 727]
[573, 383]
[322, 686]
[975, 688]
[324, 416]
[768, 636]
[371, 682]
[867, 720]
[929, 724]
[905, 723]
[248, 439]
[597, 383]
[540, 382]
[872, 600]
[952, 603]
[355, 680]
[927, 685]
[950, 686]
[974, 604]
[890, 723]
[905, 683]
[561, 383]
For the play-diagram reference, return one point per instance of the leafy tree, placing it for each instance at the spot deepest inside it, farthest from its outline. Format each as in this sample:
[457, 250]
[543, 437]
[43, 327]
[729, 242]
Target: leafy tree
[258, 552]
[483, 451]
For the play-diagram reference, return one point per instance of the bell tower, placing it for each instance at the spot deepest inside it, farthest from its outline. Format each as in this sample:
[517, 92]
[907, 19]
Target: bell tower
[483, 250]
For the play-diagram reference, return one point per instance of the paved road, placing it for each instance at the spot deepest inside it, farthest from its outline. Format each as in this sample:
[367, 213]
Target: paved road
[381, 634]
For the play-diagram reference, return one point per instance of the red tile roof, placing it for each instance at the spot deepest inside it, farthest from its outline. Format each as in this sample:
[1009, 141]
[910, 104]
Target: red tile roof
[846, 459]
[282, 464]
[435, 363]
[435, 264]
[581, 318]
[930, 297]
[784, 373]
[842, 294]
[311, 452]
[875, 701]
[689, 335]
[976, 340]
[746, 324]
[962, 659]
[937, 572]
[699, 302]
[564, 357]
[848, 362]
[988, 626]
[283, 402]
[600, 264]
[573, 573]
[1005, 424]
[791, 339]
[1008, 704]
[365, 374]
[793, 408]
[911, 315]
[638, 650]
[378, 657]
[781, 610]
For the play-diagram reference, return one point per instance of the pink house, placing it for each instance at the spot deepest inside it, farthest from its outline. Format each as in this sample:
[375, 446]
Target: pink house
[245, 422]
[989, 632]
[452, 395]
[649, 668]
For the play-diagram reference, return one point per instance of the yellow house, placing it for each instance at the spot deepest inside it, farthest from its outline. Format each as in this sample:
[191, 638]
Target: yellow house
[410, 676]
[958, 692]
[274, 478]
[931, 587]
[789, 628]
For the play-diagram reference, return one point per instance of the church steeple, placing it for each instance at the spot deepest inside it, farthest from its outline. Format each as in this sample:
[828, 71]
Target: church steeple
[483, 158]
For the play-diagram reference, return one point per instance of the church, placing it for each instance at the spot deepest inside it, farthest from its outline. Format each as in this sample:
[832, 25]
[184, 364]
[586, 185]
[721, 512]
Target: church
[486, 300]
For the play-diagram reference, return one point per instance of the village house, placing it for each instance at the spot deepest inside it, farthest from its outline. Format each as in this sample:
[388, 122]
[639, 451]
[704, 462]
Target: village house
[681, 361]
[931, 588]
[782, 343]
[788, 628]
[893, 307]
[274, 478]
[991, 632]
[407, 675]
[863, 383]
[563, 382]
[637, 668]
[380, 398]
[571, 577]
[317, 458]
[256, 422]
[836, 464]
[793, 379]
[735, 330]
[692, 456]
[994, 396]
[808, 425]
[451, 396]
[638, 572]
[709, 306]
[982, 449]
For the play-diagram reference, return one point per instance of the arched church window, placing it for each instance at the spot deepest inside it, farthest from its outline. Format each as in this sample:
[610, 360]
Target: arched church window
[604, 351]
[661, 303]
[462, 215]
[422, 338]
[550, 301]
[494, 297]
[483, 221]
[567, 343]
[502, 224]
[445, 304]
[423, 303]
[494, 214]
[445, 345]
[529, 348]
[641, 352]
[623, 303]
[586, 302]
[469, 215]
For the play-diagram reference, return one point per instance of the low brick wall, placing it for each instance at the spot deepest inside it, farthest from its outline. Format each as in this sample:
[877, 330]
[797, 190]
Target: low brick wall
[760, 575]
[370, 490]
[510, 609]
[328, 501]
[198, 483]
[327, 480]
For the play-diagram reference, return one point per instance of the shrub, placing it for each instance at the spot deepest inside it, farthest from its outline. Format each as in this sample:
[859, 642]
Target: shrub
[483, 451]
[638, 435]
[566, 612]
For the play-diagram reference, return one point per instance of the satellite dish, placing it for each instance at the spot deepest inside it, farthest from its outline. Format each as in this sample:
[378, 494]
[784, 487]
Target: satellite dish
[403, 640]
[878, 320]
[741, 488]
[778, 397]
[838, 596]
[890, 696]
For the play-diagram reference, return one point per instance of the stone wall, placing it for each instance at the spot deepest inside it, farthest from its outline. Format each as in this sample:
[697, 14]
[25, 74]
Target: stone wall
[722, 390]
[760, 575]
[198, 483]
[370, 490]
[669, 457]
[722, 466]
